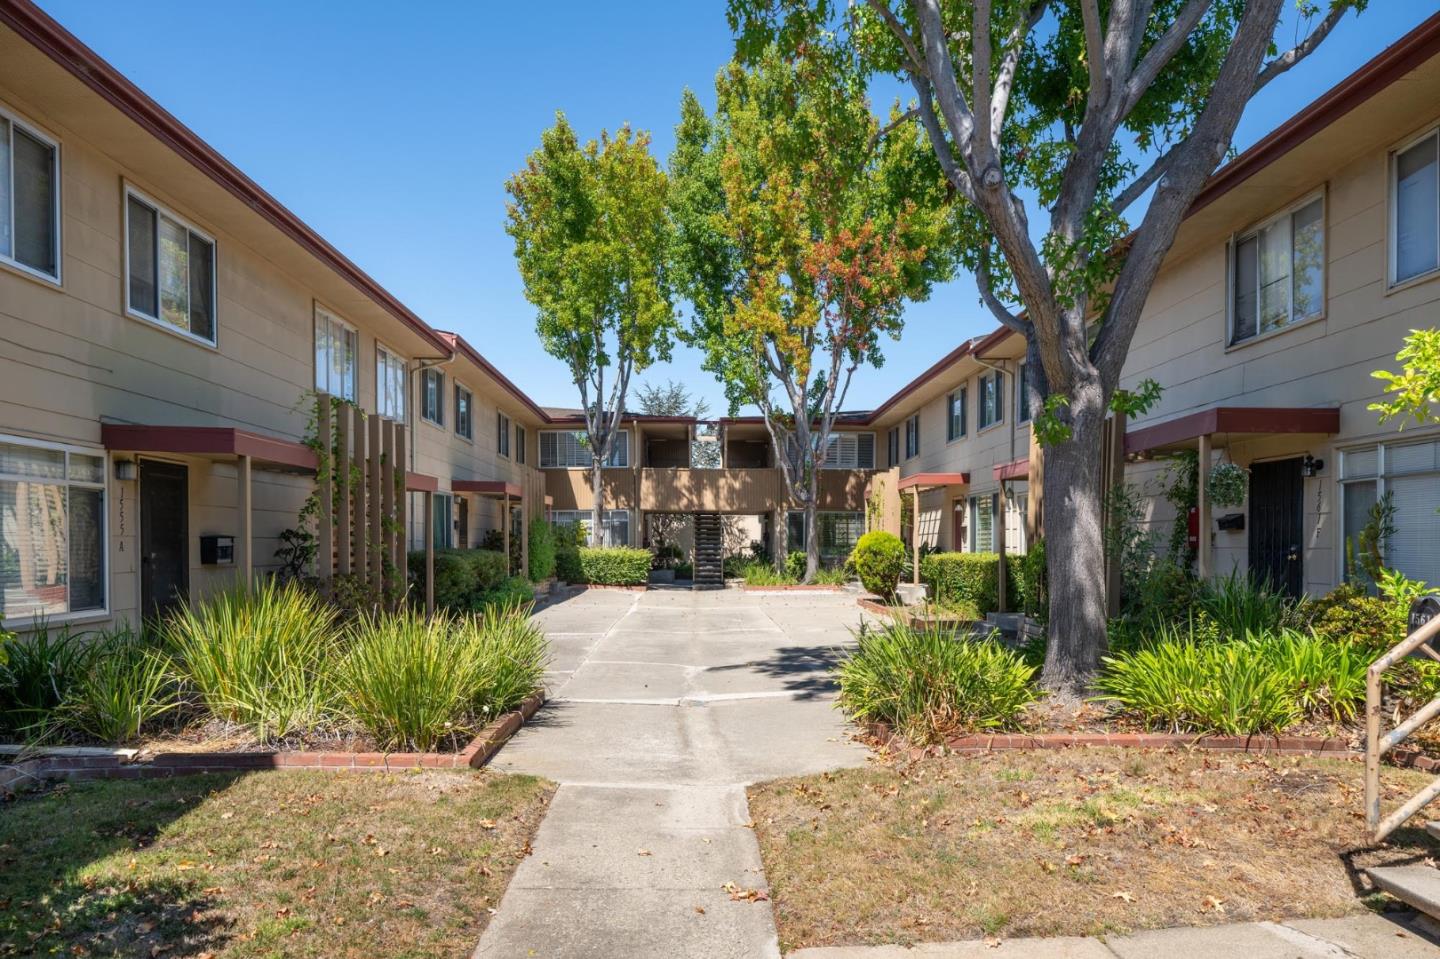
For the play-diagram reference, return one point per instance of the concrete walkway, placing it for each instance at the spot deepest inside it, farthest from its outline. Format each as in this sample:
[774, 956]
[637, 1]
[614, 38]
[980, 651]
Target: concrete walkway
[664, 705]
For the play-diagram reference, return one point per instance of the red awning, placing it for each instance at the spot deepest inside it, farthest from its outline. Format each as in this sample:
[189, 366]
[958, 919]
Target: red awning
[1260, 420]
[931, 480]
[420, 483]
[488, 487]
[208, 441]
[1013, 470]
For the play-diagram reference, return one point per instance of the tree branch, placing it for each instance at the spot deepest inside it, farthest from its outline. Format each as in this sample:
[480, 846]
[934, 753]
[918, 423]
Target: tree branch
[1094, 54]
[949, 163]
[1301, 50]
[917, 62]
[1005, 76]
[980, 53]
[1143, 182]
[891, 127]
[953, 107]
[1161, 52]
[984, 282]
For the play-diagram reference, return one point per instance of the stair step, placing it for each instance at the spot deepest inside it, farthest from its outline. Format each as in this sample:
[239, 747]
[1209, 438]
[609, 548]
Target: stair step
[1418, 886]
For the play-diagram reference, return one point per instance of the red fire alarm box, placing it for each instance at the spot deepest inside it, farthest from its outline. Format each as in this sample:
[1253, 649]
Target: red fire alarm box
[1192, 526]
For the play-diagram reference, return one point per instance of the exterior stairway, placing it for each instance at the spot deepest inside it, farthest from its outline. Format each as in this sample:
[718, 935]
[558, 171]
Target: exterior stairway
[709, 552]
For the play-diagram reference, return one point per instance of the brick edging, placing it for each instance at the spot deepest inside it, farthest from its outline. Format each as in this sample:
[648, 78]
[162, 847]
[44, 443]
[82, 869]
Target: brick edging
[793, 587]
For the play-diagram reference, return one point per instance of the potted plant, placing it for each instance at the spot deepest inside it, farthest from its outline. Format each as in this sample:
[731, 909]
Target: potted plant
[1227, 484]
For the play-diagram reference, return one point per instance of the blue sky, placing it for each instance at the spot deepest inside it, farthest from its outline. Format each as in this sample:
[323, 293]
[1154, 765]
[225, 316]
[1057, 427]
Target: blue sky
[393, 135]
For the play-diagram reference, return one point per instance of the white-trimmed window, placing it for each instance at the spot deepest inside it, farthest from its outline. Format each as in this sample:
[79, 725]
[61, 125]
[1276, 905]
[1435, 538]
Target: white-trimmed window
[29, 198]
[982, 523]
[502, 433]
[836, 531]
[337, 356]
[169, 269]
[912, 436]
[519, 443]
[850, 451]
[893, 446]
[432, 396]
[1415, 209]
[1277, 271]
[1409, 473]
[616, 531]
[955, 414]
[443, 517]
[389, 385]
[992, 399]
[570, 449]
[52, 530]
[464, 415]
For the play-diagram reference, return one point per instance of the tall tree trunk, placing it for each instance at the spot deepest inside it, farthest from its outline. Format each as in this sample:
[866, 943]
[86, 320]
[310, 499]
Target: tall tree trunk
[597, 511]
[812, 537]
[780, 539]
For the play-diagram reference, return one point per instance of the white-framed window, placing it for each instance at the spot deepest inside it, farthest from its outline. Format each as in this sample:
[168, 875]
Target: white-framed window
[570, 449]
[519, 444]
[442, 507]
[52, 530]
[464, 412]
[432, 396]
[912, 436]
[1415, 208]
[1022, 394]
[169, 269]
[850, 451]
[1409, 474]
[955, 414]
[616, 522]
[982, 523]
[337, 356]
[389, 384]
[893, 446]
[837, 532]
[29, 198]
[1277, 271]
[992, 399]
[502, 433]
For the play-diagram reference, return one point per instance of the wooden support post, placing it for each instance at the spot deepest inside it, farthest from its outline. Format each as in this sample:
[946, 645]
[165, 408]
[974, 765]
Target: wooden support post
[359, 488]
[393, 575]
[325, 554]
[1000, 523]
[402, 518]
[915, 535]
[505, 530]
[524, 530]
[343, 518]
[247, 520]
[1202, 502]
[373, 455]
[429, 525]
[1035, 497]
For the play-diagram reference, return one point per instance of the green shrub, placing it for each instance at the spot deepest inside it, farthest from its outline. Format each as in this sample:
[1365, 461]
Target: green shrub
[926, 683]
[686, 571]
[795, 565]
[962, 576]
[1239, 605]
[615, 565]
[879, 559]
[41, 669]
[542, 550]
[512, 656]
[757, 573]
[1030, 576]
[514, 591]
[569, 537]
[260, 657]
[127, 685]
[1349, 614]
[462, 577]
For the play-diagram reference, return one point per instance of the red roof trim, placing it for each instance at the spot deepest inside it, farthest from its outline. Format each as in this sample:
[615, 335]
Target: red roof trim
[1234, 419]
[420, 483]
[487, 487]
[207, 441]
[48, 36]
[927, 480]
[1013, 470]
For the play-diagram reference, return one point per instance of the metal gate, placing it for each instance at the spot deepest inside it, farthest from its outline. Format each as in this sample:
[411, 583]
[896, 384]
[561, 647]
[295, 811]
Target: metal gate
[1276, 524]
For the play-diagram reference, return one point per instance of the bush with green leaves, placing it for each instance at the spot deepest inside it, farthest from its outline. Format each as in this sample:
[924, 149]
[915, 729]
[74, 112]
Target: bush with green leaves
[127, 685]
[42, 666]
[615, 565]
[1239, 604]
[879, 559]
[963, 576]
[569, 538]
[1029, 575]
[542, 550]
[1349, 614]
[462, 577]
[260, 657]
[516, 590]
[927, 683]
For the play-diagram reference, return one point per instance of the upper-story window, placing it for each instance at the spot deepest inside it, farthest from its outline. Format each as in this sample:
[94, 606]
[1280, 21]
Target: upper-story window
[992, 398]
[570, 449]
[170, 269]
[29, 198]
[337, 351]
[502, 433]
[955, 415]
[912, 436]
[1415, 209]
[893, 446]
[519, 443]
[432, 396]
[1022, 394]
[464, 403]
[389, 384]
[850, 451]
[1277, 276]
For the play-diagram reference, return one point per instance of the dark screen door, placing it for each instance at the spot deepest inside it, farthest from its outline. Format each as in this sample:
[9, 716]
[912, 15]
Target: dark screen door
[164, 535]
[1276, 533]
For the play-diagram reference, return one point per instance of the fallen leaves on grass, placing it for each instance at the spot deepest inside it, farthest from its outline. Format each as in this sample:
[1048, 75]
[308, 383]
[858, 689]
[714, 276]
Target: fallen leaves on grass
[739, 894]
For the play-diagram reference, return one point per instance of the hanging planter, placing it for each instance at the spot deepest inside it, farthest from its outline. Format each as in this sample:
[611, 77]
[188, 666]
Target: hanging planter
[1227, 484]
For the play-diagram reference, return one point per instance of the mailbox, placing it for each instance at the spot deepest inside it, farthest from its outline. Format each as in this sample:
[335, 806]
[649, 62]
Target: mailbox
[217, 550]
[1422, 610]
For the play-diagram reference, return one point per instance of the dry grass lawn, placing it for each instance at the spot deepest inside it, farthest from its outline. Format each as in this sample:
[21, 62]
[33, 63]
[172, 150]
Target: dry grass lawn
[265, 864]
[1066, 842]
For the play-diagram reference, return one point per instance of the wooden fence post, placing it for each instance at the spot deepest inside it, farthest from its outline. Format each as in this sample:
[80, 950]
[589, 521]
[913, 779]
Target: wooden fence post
[325, 554]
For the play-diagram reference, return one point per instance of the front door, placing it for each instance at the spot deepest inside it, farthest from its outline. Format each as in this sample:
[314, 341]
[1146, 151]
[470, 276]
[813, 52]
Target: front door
[164, 535]
[462, 522]
[1276, 533]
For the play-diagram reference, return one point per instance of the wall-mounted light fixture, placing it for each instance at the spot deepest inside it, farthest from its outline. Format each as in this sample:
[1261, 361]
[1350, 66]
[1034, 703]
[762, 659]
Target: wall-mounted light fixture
[125, 470]
[1310, 466]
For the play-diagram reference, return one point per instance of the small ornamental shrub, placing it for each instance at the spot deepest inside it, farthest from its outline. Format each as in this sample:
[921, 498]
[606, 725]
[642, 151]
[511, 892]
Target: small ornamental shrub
[515, 591]
[962, 576]
[462, 577]
[795, 565]
[1029, 575]
[926, 683]
[615, 565]
[879, 559]
[41, 669]
[569, 537]
[125, 687]
[1349, 614]
[542, 550]
[1239, 605]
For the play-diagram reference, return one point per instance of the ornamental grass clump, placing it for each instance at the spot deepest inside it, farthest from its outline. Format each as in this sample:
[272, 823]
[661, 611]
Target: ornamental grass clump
[260, 657]
[126, 686]
[927, 683]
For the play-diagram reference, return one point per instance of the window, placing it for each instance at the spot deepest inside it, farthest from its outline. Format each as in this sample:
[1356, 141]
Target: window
[955, 415]
[170, 269]
[337, 350]
[1415, 209]
[464, 400]
[1277, 276]
[982, 523]
[894, 446]
[519, 443]
[1022, 394]
[432, 396]
[570, 449]
[837, 533]
[912, 436]
[443, 507]
[992, 393]
[616, 522]
[850, 451]
[502, 431]
[29, 198]
[389, 384]
[1409, 474]
[52, 530]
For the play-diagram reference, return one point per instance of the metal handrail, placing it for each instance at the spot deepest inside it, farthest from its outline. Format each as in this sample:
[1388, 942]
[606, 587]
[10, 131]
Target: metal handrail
[1376, 745]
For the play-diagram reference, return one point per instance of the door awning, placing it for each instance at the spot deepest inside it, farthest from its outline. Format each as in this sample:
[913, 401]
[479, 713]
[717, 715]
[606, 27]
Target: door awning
[209, 441]
[1181, 432]
[933, 480]
[488, 487]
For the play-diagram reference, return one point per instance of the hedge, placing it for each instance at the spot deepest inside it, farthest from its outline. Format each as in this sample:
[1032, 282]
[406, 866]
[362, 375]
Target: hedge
[879, 559]
[615, 565]
[462, 576]
[958, 577]
[542, 550]
[569, 537]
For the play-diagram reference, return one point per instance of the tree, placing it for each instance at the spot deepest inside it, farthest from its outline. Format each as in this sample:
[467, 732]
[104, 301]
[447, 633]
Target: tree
[1414, 392]
[590, 241]
[1081, 108]
[675, 399]
[799, 234]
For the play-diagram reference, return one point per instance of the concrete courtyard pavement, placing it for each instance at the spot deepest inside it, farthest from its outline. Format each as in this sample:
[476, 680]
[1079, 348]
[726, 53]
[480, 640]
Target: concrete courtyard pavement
[664, 705]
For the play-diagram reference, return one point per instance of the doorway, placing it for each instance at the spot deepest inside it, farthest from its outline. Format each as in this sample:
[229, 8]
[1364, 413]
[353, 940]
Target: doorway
[164, 536]
[1277, 492]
